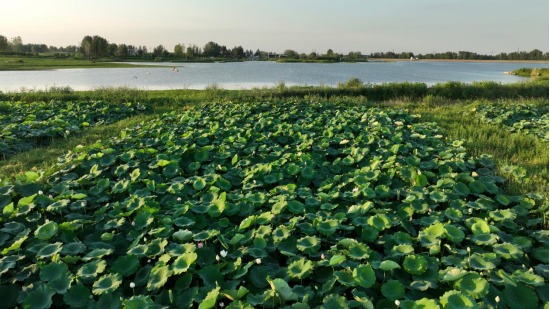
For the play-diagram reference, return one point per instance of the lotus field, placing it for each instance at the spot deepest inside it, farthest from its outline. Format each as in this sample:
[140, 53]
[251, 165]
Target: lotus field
[273, 205]
[517, 118]
[26, 125]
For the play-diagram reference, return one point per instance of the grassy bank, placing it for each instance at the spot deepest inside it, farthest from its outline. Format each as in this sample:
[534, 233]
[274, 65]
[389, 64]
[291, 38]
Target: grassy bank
[353, 88]
[50, 63]
[528, 72]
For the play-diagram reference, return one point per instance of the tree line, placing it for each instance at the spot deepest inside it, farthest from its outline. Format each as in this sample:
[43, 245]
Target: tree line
[535, 54]
[95, 47]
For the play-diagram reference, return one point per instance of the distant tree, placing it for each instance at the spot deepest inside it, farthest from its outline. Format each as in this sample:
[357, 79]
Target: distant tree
[140, 51]
[238, 52]
[86, 46]
[312, 55]
[4, 45]
[289, 53]
[303, 56]
[257, 53]
[212, 49]
[179, 50]
[112, 49]
[158, 51]
[122, 50]
[16, 44]
[330, 53]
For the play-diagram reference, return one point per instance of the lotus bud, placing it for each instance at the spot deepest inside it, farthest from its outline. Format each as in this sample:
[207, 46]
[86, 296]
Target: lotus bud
[254, 181]
[200, 245]
[133, 223]
[50, 196]
[144, 238]
[149, 261]
[258, 261]
[468, 249]
[132, 285]
[178, 199]
[222, 305]
[470, 210]
[40, 192]
[397, 303]
[223, 253]
[355, 189]
[23, 287]
[531, 269]
[217, 257]
[523, 265]
[497, 299]
[323, 256]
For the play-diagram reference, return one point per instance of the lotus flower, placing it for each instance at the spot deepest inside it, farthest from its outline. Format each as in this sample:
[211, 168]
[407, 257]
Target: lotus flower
[355, 189]
[258, 261]
[132, 285]
[223, 253]
[222, 305]
[200, 245]
[40, 192]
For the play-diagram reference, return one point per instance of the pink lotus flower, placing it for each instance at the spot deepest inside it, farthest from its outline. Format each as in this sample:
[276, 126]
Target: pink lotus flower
[200, 245]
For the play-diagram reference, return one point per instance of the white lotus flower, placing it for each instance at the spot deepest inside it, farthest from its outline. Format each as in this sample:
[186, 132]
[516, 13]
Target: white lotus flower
[40, 192]
[355, 189]
[497, 299]
[258, 261]
[132, 285]
[397, 303]
[179, 199]
[223, 253]
[222, 305]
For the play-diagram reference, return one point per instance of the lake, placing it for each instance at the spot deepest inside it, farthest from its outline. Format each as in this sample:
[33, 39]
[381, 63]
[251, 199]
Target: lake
[246, 75]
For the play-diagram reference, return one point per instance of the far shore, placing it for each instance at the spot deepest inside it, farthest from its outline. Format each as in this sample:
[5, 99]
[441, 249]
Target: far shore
[459, 60]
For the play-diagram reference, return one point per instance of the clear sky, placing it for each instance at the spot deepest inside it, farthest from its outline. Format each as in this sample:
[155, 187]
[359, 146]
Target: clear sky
[420, 26]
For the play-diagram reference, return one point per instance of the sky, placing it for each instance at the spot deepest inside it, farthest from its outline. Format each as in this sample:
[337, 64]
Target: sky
[420, 26]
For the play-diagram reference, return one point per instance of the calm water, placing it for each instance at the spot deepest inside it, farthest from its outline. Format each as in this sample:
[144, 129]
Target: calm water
[245, 75]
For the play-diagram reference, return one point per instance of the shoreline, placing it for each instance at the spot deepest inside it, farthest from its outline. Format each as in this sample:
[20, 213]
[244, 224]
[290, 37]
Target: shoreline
[459, 60]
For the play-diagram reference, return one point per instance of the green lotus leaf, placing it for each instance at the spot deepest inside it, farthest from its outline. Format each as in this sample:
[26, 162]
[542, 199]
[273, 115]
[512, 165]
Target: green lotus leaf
[528, 277]
[97, 253]
[92, 269]
[503, 214]
[308, 172]
[158, 277]
[477, 186]
[453, 274]
[183, 235]
[379, 221]
[223, 184]
[53, 270]
[402, 250]
[73, 248]
[485, 239]
[182, 263]
[296, 207]
[438, 197]
[334, 301]
[541, 254]
[425, 303]
[199, 184]
[462, 189]
[327, 227]
[300, 269]
[480, 227]
[139, 302]
[49, 250]
[480, 262]
[473, 284]
[415, 264]
[126, 265]
[292, 169]
[77, 296]
[121, 186]
[283, 290]
[201, 156]
[436, 230]
[457, 300]
[393, 289]
[345, 277]
[520, 297]
[107, 284]
[454, 234]
[507, 251]
[388, 265]
[308, 244]
[337, 259]
[41, 298]
[359, 251]
[46, 231]
[364, 276]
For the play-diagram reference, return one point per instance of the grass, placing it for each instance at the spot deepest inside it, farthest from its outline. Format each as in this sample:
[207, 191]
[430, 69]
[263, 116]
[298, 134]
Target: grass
[50, 63]
[528, 72]
[504, 147]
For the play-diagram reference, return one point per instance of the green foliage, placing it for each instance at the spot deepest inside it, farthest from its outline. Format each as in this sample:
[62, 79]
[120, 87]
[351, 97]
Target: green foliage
[344, 222]
[26, 125]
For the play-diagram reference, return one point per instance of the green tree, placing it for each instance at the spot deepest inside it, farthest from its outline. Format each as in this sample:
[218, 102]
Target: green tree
[17, 44]
[330, 53]
[86, 46]
[159, 51]
[289, 53]
[4, 45]
[122, 50]
[178, 50]
[211, 49]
